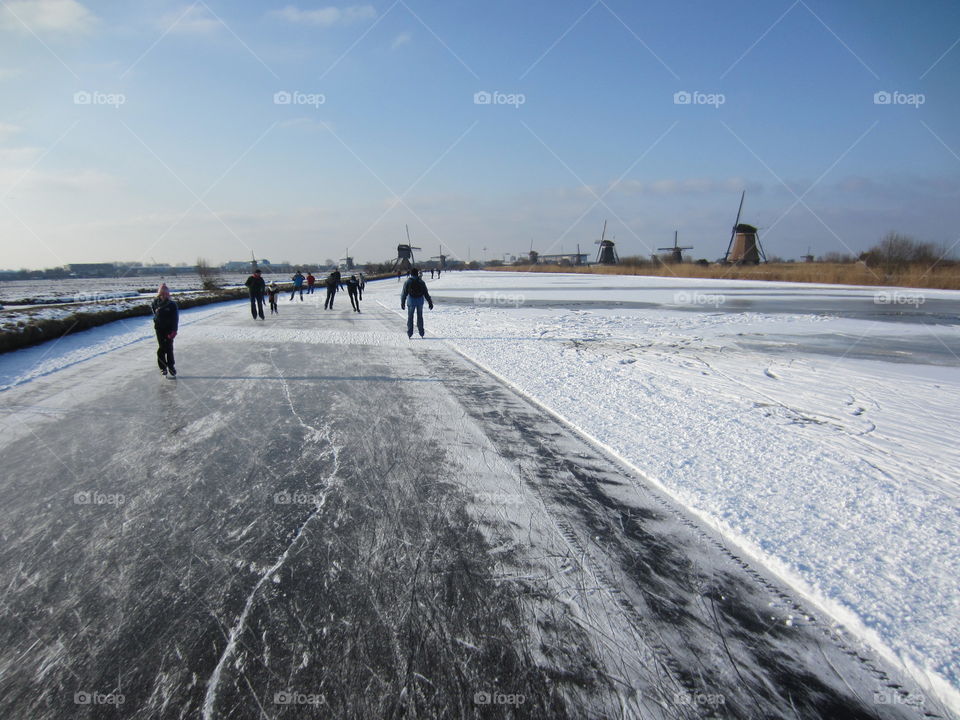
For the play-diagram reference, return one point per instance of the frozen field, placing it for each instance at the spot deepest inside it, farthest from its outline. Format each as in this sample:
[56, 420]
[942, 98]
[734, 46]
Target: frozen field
[610, 496]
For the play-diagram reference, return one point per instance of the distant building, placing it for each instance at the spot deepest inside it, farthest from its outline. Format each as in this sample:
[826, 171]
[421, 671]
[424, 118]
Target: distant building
[564, 259]
[92, 269]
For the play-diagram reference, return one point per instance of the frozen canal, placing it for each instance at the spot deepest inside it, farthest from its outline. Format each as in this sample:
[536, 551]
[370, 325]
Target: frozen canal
[320, 518]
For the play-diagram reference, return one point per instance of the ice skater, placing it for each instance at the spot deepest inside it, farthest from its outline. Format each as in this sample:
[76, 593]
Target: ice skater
[411, 299]
[256, 286]
[362, 284]
[333, 284]
[311, 281]
[297, 285]
[353, 289]
[166, 319]
[272, 291]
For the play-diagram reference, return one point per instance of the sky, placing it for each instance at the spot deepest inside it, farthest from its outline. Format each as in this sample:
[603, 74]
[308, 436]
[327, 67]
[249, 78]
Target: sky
[167, 131]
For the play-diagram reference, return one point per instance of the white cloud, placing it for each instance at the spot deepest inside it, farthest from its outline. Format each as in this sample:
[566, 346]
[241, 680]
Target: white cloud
[327, 16]
[193, 20]
[401, 39]
[7, 130]
[64, 16]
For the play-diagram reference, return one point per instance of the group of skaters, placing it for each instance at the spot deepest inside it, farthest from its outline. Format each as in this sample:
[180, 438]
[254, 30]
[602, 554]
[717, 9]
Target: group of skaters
[258, 287]
[166, 313]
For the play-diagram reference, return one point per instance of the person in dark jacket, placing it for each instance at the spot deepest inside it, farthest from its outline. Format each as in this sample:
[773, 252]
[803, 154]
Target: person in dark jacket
[166, 319]
[353, 289]
[256, 286]
[362, 283]
[333, 284]
[272, 291]
[412, 297]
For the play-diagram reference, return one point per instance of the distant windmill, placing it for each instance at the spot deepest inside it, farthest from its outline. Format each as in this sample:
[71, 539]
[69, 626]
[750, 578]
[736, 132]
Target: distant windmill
[441, 259]
[346, 262]
[533, 254]
[744, 247]
[676, 252]
[607, 252]
[405, 259]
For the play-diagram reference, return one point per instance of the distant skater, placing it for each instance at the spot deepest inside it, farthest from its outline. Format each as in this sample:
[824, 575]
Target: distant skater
[411, 299]
[256, 286]
[333, 284]
[431, 273]
[353, 290]
[362, 284]
[438, 273]
[298, 285]
[311, 281]
[272, 291]
[166, 319]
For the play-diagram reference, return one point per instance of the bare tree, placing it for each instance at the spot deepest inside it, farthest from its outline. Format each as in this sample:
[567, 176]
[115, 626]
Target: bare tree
[209, 275]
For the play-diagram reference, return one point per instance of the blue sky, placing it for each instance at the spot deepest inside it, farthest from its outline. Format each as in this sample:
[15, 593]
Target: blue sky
[200, 160]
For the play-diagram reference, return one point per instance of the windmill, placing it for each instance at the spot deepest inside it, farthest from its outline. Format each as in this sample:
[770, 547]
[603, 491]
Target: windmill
[607, 252]
[744, 247]
[441, 259]
[346, 262]
[533, 254]
[404, 259]
[676, 252]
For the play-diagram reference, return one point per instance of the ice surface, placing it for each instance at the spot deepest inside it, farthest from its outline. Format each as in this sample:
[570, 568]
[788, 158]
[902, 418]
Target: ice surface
[836, 471]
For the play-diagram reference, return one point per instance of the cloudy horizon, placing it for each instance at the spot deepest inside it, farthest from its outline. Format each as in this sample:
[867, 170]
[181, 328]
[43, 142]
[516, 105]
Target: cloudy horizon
[302, 131]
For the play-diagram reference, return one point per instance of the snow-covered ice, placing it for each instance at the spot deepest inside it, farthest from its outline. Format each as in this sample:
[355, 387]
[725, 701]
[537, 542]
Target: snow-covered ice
[820, 440]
